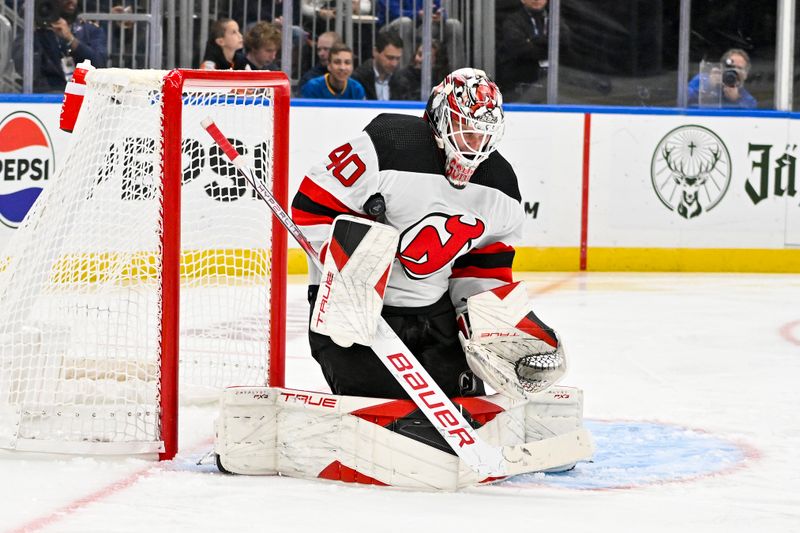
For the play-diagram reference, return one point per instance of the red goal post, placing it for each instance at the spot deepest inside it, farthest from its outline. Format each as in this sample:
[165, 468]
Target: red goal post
[144, 263]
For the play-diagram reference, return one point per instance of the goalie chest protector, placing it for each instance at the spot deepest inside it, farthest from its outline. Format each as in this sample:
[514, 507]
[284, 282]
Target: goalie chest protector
[398, 158]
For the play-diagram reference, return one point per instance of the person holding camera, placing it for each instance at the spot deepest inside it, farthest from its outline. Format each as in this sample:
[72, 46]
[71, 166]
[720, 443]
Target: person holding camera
[61, 40]
[728, 80]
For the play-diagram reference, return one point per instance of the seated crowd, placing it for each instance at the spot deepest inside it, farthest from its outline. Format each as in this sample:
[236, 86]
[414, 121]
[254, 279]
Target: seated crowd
[385, 65]
[332, 69]
[334, 74]
[325, 66]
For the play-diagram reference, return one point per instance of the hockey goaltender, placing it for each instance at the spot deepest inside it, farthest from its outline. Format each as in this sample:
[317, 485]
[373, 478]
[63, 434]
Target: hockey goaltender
[413, 309]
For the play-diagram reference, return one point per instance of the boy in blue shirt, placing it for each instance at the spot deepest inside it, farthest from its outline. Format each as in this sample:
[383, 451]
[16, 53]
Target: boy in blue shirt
[336, 84]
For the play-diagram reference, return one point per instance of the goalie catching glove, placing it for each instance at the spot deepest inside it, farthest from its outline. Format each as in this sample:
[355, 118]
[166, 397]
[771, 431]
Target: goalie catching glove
[507, 346]
[356, 267]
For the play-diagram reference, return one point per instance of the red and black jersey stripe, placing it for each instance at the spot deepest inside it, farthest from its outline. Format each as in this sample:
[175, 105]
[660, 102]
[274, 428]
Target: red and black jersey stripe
[493, 261]
[314, 205]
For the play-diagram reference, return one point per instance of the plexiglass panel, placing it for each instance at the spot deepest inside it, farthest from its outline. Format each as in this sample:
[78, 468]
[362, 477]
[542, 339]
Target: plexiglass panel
[619, 52]
[735, 42]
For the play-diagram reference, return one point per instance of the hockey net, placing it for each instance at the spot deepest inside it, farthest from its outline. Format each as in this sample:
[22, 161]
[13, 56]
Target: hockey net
[146, 248]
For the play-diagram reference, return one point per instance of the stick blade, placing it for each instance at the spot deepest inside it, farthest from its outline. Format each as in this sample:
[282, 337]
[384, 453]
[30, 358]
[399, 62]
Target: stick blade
[549, 453]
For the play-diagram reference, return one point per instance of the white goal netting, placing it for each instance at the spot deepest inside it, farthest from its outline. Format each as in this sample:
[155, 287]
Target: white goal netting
[80, 283]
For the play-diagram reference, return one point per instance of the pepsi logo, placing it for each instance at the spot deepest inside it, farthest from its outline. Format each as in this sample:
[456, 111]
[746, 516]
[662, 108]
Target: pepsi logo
[27, 161]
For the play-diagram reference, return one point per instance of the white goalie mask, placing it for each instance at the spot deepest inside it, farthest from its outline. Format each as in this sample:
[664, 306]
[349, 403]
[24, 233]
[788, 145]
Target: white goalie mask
[465, 112]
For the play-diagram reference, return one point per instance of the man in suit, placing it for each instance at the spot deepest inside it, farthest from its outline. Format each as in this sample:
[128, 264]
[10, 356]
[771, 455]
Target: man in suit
[377, 74]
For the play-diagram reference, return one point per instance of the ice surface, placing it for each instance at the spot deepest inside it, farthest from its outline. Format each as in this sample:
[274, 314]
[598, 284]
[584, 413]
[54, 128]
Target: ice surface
[692, 388]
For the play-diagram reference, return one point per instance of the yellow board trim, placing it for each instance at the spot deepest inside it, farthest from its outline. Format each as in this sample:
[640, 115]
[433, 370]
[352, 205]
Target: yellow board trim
[558, 259]
[547, 259]
[786, 260]
[246, 263]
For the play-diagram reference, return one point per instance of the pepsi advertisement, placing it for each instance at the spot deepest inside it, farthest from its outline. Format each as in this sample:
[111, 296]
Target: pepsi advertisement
[27, 161]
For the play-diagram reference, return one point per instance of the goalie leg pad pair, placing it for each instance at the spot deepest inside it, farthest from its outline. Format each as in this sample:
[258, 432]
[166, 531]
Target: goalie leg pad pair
[267, 431]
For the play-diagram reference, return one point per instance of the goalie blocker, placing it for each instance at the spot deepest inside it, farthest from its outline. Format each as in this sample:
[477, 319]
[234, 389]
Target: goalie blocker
[356, 266]
[268, 431]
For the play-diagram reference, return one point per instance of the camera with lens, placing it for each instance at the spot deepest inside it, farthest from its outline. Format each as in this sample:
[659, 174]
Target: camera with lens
[47, 12]
[730, 74]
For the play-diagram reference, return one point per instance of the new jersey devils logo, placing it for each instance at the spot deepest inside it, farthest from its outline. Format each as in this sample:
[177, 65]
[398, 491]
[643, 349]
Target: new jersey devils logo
[432, 243]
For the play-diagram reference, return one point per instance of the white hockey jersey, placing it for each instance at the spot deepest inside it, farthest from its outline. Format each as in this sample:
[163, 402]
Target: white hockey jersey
[459, 240]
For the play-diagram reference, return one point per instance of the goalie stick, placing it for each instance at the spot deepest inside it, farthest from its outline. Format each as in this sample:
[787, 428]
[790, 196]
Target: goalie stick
[479, 455]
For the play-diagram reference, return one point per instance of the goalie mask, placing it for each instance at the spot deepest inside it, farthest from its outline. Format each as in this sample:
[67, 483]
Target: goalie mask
[465, 112]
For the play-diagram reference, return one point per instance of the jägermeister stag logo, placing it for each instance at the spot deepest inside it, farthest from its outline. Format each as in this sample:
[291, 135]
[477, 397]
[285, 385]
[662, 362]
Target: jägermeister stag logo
[691, 170]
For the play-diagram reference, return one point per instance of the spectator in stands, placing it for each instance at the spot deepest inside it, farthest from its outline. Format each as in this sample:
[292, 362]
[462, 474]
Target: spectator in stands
[405, 17]
[377, 74]
[252, 11]
[522, 51]
[261, 45]
[61, 40]
[503, 8]
[337, 82]
[322, 13]
[409, 78]
[224, 40]
[324, 43]
[727, 83]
